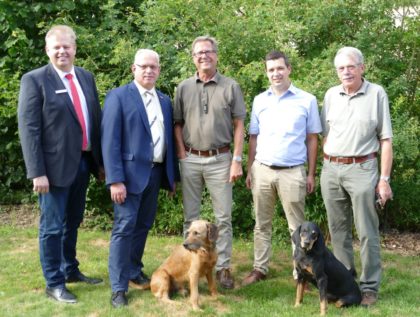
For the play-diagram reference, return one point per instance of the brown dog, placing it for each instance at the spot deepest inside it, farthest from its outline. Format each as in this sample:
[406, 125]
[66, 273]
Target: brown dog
[194, 259]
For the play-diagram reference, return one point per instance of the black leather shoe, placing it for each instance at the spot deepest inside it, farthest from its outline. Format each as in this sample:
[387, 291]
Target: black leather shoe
[61, 294]
[118, 299]
[140, 282]
[80, 277]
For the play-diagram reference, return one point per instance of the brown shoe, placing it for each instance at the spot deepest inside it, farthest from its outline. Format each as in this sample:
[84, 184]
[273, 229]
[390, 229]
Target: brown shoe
[225, 279]
[369, 298]
[253, 277]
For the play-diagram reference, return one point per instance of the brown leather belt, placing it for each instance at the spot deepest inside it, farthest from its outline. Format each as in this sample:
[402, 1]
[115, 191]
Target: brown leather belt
[208, 153]
[350, 159]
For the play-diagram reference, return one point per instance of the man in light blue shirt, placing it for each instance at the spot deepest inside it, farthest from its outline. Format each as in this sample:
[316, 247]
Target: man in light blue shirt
[283, 137]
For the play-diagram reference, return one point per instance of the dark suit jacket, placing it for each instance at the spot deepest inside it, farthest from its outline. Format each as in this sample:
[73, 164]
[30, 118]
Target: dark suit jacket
[127, 145]
[49, 130]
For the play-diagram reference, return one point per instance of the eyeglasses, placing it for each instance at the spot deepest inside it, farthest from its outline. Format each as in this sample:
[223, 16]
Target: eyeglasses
[144, 67]
[201, 53]
[348, 67]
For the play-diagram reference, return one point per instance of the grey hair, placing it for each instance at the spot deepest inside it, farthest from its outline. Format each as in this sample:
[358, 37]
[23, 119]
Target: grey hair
[205, 38]
[146, 51]
[61, 29]
[350, 52]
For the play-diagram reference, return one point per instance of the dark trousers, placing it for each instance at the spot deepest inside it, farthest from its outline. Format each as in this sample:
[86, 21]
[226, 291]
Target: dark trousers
[62, 211]
[132, 222]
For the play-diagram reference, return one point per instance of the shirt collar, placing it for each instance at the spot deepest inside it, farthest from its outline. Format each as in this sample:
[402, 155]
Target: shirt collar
[62, 74]
[143, 90]
[362, 89]
[215, 78]
[292, 89]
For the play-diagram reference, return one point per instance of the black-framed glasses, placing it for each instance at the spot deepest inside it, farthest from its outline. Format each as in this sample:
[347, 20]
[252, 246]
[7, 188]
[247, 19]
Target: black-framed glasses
[202, 53]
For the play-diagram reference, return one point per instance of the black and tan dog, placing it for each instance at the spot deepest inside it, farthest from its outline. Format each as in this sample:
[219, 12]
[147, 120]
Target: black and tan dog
[195, 258]
[315, 263]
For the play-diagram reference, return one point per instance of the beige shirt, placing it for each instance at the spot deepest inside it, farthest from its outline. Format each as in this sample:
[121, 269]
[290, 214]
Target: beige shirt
[355, 124]
[207, 110]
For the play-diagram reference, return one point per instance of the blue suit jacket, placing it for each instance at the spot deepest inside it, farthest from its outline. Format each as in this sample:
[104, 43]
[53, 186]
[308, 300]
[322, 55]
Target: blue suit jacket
[50, 133]
[127, 145]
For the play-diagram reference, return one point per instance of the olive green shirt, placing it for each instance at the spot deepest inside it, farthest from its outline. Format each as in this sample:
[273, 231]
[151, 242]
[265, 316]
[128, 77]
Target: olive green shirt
[354, 124]
[207, 110]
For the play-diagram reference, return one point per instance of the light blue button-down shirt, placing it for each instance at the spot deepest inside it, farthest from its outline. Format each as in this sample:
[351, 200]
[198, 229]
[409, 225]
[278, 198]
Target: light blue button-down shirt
[281, 125]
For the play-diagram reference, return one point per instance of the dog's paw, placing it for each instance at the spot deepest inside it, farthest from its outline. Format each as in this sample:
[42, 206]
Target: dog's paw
[214, 294]
[183, 292]
[340, 304]
[197, 309]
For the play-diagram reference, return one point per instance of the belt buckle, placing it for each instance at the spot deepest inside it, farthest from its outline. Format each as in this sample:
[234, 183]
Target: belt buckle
[210, 152]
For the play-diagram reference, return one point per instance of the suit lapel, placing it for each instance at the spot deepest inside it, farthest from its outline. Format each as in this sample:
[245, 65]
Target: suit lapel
[139, 105]
[57, 84]
[165, 106]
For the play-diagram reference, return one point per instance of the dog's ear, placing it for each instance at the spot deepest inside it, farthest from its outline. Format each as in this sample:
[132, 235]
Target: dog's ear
[320, 239]
[212, 232]
[296, 236]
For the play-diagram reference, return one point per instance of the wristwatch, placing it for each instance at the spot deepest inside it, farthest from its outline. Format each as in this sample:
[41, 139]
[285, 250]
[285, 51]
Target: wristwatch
[237, 158]
[385, 178]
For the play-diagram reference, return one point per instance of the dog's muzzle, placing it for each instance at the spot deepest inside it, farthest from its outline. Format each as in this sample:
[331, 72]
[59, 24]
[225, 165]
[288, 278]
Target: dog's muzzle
[191, 246]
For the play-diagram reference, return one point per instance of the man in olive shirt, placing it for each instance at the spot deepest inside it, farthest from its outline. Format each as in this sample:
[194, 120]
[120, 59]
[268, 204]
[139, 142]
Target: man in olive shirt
[209, 114]
[356, 125]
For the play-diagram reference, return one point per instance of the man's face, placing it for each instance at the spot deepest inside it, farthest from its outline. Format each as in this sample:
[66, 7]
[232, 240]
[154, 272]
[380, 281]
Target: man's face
[278, 73]
[205, 58]
[61, 50]
[146, 70]
[349, 72]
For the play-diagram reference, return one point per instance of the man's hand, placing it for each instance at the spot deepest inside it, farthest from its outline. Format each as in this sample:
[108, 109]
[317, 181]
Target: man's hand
[235, 171]
[181, 155]
[384, 190]
[172, 193]
[41, 185]
[118, 193]
[248, 181]
[101, 174]
[310, 184]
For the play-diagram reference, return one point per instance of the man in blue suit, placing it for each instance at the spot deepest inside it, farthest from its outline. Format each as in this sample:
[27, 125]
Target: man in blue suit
[59, 124]
[139, 159]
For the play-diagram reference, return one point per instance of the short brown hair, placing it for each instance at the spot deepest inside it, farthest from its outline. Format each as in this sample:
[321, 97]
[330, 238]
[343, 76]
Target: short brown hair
[277, 55]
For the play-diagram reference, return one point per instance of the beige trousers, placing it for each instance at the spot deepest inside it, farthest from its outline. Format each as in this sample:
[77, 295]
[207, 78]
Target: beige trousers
[268, 184]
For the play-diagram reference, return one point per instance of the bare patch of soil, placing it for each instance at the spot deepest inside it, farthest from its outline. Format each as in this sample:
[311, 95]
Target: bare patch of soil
[19, 216]
[25, 216]
[404, 243]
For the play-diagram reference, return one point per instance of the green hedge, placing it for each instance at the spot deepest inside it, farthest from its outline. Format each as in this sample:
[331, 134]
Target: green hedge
[310, 32]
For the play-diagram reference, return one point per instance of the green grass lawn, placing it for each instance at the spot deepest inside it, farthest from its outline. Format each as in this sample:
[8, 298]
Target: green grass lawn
[22, 287]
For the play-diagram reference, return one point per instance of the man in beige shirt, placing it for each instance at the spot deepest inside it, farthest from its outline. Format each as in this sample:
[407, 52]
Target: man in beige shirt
[356, 125]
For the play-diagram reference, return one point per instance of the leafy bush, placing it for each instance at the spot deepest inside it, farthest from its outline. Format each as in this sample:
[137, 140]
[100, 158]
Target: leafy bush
[310, 33]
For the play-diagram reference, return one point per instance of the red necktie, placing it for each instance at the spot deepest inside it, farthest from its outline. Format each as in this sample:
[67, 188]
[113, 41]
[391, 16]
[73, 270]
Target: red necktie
[78, 107]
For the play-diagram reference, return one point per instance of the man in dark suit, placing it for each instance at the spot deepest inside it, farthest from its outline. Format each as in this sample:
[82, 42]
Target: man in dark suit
[59, 126]
[139, 158]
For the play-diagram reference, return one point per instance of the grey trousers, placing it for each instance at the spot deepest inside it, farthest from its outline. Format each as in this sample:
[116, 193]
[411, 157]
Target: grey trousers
[348, 191]
[213, 172]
